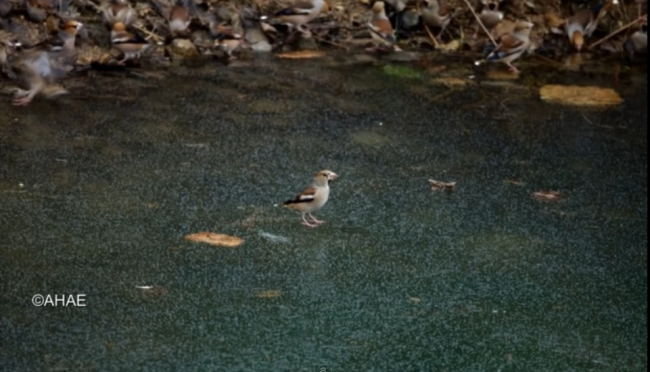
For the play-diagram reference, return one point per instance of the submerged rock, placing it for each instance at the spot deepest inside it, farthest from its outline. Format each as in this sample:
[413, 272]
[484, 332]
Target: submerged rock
[182, 49]
[580, 95]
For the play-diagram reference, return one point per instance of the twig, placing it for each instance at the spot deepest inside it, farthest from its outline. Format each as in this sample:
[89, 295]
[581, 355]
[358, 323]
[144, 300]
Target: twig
[433, 38]
[329, 42]
[481, 23]
[156, 38]
[426, 28]
[645, 17]
[545, 59]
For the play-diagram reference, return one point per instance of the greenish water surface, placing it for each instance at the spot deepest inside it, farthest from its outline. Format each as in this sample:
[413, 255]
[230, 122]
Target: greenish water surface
[97, 191]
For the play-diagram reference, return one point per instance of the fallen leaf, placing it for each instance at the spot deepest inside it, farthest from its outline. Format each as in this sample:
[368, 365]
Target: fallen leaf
[211, 238]
[269, 294]
[450, 81]
[414, 299]
[547, 195]
[501, 75]
[267, 28]
[302, 54]
[514, 182]
[433, 70]
[553, 20]
[580, 95]
[152, 291]
[451, 46]
[438, 185]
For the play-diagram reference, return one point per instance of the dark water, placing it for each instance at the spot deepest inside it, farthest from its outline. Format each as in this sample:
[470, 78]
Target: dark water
[98, 189]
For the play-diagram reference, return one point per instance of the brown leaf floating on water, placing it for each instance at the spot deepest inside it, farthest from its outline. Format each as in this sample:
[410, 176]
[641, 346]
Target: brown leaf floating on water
[269, 294]
[302, 54]
[153, 291]
[580, 95]
[438, 185]
[514, 182]
[221, 240]
[548, 195]
[450, 82]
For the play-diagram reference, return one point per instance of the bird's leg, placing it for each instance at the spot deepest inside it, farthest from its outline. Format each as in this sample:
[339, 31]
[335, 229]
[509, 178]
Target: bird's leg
[318, 222]
[26, 99]
[122, 61]
[304, 31]
[512, 68]
[304, 222]
[476, 32]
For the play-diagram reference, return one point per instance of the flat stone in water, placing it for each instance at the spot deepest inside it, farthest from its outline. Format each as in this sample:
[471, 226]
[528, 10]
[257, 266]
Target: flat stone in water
[369, 138]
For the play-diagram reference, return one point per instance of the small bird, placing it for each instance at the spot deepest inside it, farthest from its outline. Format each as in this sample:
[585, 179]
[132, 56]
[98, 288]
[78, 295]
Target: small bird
[584, 22]
[227, 39]
[313, 198]
[300, 13]
[64, 40]
[131, 45]
[490, 15]
[42, 64]
[511, 45]
[381, 30]
[118, 11]
[179, 18]
[436, 15]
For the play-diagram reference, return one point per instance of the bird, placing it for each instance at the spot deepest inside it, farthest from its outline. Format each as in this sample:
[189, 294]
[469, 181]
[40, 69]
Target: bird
[436, 15]
[312, 198]
[584, 22]
[42, 64]
[511, 45]
[300, 13]
[179, 18]
[490, 15]
[131, 45]
[381, 30]
[118, 11]
[226, 38]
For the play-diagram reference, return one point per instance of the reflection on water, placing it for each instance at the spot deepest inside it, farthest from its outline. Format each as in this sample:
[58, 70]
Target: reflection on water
[96, 195]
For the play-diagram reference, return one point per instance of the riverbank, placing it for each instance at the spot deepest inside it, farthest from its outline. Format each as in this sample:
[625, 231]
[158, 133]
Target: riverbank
[341, 28]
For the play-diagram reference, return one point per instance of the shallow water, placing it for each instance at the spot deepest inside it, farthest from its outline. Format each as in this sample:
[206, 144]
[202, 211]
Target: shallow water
[97, 191]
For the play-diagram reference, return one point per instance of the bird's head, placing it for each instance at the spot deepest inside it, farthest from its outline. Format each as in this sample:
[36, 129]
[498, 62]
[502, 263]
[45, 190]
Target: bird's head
[577, 39]
[119, 27]
[72, 26]
[378, 7]
[327, 175]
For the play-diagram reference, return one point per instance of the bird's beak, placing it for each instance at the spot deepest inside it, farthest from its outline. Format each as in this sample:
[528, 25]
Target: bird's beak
[333, 176]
